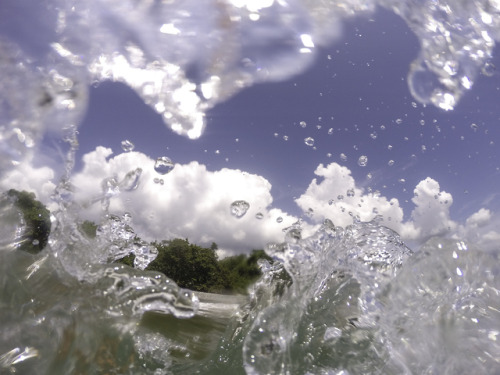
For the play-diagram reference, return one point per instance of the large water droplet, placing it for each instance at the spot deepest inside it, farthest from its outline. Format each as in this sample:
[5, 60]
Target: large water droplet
[309, 141]
[239, 208]
[163, 165]
[363, 160]
[131, 180]
[127, 146]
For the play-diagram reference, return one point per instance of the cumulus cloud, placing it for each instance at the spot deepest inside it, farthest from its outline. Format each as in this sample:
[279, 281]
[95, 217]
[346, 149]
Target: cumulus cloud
[26, 177]
[189, 202]
[193, 202]
[335, 195]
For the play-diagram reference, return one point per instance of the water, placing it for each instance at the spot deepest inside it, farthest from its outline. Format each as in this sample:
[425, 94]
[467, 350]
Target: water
[339, 300]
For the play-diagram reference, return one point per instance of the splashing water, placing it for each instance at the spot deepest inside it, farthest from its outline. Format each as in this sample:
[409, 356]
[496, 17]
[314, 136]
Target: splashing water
[351, 300]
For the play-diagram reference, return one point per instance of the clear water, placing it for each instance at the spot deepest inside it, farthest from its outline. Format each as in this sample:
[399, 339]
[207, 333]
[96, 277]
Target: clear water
[359, 301]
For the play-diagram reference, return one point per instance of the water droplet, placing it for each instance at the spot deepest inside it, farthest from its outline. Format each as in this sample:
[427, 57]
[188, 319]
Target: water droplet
[276, 135]
[389, 147]
[474, 127]
[343, 157]
[163, 165]
[279, 219]
[399, 121]
[488, 69]
[239, 208]
[363, 160]
[390, 163]
[303, 124]
[259, 215]
[285, 137]
[340, 197]
[330, 131]
[127, 146]
[328, 155]
[330, 202]
[131, 180]
[350, 193]
[373, 135]
[309, 141]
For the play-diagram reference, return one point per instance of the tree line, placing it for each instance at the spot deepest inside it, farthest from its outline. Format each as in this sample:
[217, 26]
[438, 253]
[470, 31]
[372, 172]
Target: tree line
[189, 265]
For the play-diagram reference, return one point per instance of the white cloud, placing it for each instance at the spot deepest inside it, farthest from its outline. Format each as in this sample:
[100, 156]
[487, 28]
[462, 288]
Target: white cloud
[192, 202]
[338, 198]
[26, 177]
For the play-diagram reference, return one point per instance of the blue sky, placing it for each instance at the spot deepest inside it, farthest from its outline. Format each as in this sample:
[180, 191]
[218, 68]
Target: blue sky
[356, 87]
[354, 101]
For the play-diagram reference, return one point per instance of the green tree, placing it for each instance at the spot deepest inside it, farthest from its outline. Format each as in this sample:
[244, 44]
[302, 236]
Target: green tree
[189, 265]
[241, 271]
[37, 219]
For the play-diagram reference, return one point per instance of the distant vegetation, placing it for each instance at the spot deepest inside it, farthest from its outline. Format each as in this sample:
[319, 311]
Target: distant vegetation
[198, 268]
[36, 218]
[189, 265]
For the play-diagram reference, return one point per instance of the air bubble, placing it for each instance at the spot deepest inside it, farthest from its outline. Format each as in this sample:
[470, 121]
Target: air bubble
[163, 165]
[239, 208]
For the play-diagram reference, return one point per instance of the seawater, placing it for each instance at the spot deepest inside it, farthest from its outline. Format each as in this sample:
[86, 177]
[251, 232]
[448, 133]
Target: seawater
[356, 300]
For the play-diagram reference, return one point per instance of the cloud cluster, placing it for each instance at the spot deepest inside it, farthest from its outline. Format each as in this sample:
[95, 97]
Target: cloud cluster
[193, 202]
[429, 217]
[189, 202]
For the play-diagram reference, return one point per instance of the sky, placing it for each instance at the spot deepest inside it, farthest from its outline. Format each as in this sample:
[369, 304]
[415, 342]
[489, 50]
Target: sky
[428, 171]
